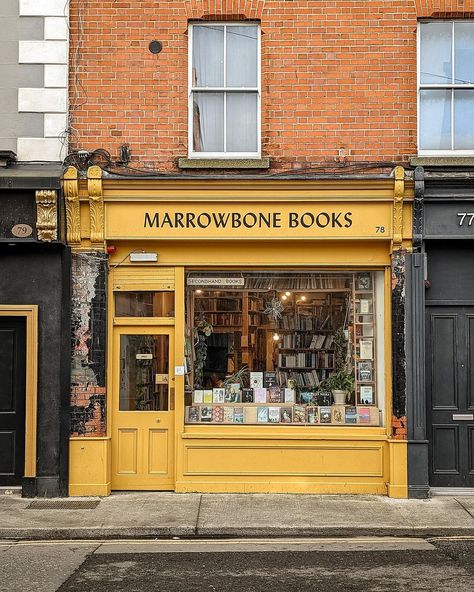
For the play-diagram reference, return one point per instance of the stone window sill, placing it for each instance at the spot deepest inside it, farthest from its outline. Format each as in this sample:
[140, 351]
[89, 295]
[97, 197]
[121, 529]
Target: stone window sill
[442, 161]
[224, 163]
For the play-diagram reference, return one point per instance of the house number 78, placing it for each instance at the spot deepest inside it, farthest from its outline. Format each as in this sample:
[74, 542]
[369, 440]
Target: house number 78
[463, 216]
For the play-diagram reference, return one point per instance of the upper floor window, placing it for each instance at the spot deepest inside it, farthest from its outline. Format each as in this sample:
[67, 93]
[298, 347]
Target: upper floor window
[446, 87]
[224, 90]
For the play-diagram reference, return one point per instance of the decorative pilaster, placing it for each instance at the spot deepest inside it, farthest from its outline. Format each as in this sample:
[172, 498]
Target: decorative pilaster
[96, 204]
[418, 207]
[46, 215]
[71, 196]
[398, 193]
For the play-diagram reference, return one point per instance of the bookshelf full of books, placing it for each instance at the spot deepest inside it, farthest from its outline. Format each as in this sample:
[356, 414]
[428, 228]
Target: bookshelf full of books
[273, 344]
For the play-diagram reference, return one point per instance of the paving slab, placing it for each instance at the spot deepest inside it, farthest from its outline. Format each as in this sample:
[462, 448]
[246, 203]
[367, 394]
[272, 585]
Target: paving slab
[438, 513]
[308, 514]
[133, 514]
[43, 570]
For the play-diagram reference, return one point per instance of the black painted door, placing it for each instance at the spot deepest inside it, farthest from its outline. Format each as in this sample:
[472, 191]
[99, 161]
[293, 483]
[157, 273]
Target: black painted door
[450, 394]
[12, 399]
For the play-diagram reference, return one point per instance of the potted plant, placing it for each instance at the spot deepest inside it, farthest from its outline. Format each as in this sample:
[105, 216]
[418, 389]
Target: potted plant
[341, 384]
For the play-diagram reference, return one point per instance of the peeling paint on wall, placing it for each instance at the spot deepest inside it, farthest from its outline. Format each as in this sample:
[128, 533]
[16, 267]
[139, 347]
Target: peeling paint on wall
[88, 389]
[398, 345]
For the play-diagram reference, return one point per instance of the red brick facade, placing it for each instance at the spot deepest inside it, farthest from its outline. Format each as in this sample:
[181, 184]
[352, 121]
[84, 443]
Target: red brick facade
[338, 79]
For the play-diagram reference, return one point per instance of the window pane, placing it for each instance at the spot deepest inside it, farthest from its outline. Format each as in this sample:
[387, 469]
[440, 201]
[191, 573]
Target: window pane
[464, 52]
[242, 56]
[241, 122]
[208, 56]
[464, 120]
[208, 122]
[144, 304]
[435, 53]
[144, 372]
[435, 120]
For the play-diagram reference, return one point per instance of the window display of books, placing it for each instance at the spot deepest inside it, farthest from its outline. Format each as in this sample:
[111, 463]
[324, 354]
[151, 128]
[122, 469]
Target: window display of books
[264, 402]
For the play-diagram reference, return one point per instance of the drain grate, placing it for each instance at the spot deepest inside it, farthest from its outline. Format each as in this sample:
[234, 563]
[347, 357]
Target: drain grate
[63, 504]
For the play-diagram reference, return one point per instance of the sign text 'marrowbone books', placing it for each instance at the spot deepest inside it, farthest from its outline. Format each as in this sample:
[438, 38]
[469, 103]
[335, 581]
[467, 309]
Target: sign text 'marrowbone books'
[248, 220]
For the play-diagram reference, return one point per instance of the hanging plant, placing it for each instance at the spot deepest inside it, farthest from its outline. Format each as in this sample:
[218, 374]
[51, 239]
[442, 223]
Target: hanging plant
[201, 332]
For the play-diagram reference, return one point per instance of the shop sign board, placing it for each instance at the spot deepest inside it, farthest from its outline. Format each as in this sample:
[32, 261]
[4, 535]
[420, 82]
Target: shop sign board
[259, 220]
[449, 220]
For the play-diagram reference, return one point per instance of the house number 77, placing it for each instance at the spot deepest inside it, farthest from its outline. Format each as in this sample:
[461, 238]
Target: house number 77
[463, 216]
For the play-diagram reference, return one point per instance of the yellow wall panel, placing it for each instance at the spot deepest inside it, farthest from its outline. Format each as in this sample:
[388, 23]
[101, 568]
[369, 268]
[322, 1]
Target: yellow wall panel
[89, 466]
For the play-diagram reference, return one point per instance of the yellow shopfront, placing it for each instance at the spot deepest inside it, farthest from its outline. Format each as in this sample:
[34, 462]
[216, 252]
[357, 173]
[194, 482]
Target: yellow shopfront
[235, 311]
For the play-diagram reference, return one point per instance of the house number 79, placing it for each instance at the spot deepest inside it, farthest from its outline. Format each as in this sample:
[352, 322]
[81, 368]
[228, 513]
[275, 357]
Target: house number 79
[463, 216]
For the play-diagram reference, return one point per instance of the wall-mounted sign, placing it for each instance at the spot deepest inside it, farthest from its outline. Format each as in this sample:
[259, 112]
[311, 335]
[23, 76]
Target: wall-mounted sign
[255, 221]
[449, 220]
[22, 230]
[161, 379]
[144, 356]
[215, 281]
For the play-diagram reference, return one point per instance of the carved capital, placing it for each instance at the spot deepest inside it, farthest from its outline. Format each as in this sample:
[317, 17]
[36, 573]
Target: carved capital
[46, 215]
[96, 203]
[71, 197]
[398, 193]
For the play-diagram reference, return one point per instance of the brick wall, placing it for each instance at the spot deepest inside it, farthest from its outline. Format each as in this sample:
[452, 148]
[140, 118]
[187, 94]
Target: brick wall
[338, 78]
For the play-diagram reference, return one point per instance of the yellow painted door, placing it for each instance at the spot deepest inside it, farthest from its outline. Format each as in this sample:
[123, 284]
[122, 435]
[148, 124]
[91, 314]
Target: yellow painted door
[143, 408]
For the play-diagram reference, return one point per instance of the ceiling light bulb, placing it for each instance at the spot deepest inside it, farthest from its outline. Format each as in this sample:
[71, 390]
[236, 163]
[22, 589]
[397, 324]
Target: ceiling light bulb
[284, 297]
[303, 298]
[288, 293]
[198, 291]
[276, 337]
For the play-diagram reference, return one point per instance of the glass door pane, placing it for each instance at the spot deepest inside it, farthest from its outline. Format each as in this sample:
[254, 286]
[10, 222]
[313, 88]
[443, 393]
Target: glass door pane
[144, 373]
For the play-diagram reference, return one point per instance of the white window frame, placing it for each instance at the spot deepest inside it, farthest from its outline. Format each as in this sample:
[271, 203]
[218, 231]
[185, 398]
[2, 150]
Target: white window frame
[224, 90]
[452, 87]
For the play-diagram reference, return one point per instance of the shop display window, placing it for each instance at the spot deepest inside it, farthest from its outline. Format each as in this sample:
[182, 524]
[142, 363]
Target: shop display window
[282, 347]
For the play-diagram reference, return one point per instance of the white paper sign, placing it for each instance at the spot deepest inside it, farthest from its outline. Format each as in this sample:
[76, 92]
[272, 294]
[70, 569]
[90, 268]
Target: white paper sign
[144, 356]
[179, 370]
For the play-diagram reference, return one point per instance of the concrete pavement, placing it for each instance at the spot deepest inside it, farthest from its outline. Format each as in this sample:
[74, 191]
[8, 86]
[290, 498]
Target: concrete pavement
[163, 515]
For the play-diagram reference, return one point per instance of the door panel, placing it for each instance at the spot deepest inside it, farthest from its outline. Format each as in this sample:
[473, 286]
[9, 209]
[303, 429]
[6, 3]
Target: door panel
[12, 399]
[143, 408]
[450, 394]
[445, 449]
[443, 369]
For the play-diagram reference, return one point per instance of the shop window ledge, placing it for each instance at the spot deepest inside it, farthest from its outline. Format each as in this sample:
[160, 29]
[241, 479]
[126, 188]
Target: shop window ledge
[224, 163]
[442, 161]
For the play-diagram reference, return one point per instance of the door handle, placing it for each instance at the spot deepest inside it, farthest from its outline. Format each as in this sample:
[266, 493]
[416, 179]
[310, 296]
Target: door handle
[158, 419]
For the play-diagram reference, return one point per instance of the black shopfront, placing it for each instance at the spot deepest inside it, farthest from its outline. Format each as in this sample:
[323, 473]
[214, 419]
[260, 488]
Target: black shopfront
[34, 332]
[440, 334]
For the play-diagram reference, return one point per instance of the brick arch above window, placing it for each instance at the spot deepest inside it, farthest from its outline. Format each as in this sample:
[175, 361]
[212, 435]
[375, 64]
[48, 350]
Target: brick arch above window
[224, 9]
[444, 8]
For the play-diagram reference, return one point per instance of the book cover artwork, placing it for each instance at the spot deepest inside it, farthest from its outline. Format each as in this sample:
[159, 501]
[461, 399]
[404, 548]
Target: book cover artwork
[218, 413]
[325, 415]
[367, 395]
[364, 371]
[274, 414]
[286, 415]
[247, 395]
[351, 414]
[232, 393]
[270, 379]
[260, 395]
[193, 414]
[299, 414]
[290, 395]
[198, 396]
[274, 394]
[312, 414]
[256, 379]
[338, 414]
[207, 396]
[228, 414]
[206, 414]
[218, 395]
[262, 415]
[238, 415]
[365, 349]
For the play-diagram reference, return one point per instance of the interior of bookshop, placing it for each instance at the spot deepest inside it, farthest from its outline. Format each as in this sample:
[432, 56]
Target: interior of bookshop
[282, 347]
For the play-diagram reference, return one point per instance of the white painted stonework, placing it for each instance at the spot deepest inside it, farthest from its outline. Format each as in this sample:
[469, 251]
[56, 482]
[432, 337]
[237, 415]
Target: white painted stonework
[43, 7]
[52, 98]
[41, 149]
[55, 28]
